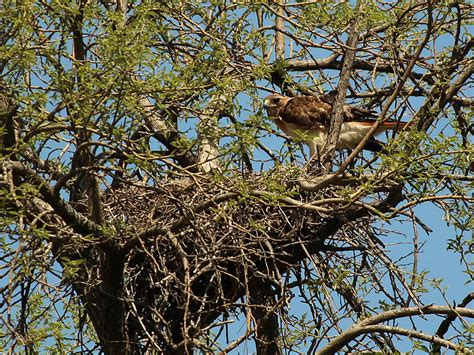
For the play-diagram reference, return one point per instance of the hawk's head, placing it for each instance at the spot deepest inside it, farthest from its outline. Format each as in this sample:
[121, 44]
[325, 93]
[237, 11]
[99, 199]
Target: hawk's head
[273, 103]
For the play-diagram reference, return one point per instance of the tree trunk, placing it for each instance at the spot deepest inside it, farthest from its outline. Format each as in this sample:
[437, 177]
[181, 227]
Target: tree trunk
[107, 311]
[262, 297]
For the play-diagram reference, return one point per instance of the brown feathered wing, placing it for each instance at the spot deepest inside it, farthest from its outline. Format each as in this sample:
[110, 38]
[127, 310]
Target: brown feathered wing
[310, 111]
[306, 111]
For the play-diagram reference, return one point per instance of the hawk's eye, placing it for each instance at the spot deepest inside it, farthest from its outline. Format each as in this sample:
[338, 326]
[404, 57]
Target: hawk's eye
[276, 100]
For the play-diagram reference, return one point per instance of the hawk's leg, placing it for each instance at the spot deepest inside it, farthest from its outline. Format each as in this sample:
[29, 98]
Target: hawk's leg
[314, 163]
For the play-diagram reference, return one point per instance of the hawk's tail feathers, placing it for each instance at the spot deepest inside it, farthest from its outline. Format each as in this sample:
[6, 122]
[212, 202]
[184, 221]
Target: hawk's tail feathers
[395, 125]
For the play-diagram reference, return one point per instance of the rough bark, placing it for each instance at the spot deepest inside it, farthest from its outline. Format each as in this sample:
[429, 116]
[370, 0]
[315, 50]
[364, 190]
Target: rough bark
[264, 305]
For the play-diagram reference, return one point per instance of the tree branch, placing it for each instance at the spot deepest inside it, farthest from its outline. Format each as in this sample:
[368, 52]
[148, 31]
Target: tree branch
[368, 325]
[337, 111]
[279, 35]
[166, 134]
[74, 219]
[445, 324]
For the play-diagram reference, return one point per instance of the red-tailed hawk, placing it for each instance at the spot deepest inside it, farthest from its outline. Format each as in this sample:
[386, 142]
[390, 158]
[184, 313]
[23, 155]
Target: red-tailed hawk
[307, 118]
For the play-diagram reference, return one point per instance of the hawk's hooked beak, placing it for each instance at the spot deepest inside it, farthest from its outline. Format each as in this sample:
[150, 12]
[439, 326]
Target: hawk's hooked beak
[266, 103]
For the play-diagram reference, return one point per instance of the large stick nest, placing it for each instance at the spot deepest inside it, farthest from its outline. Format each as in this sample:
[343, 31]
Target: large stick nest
[213, 242]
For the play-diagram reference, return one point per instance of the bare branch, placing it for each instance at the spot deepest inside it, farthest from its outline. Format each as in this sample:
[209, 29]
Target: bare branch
[337, 112]
[368, 325]
[280, 27]
[445, 324]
